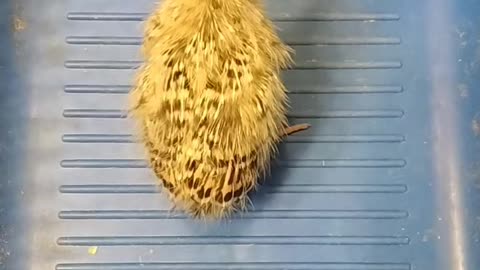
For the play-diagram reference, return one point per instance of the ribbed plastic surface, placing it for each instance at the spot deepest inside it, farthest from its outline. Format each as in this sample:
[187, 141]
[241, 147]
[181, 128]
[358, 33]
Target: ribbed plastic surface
[386, 178]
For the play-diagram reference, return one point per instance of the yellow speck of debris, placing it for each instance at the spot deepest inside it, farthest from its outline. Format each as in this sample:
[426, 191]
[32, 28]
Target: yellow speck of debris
[92, 250]
[19, 24]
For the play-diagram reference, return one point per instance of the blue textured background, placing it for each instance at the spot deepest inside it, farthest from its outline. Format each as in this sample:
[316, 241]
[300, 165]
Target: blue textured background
[386, 179]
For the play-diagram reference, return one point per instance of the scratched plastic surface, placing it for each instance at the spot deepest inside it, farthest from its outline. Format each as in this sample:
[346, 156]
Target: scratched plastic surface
[386, 179]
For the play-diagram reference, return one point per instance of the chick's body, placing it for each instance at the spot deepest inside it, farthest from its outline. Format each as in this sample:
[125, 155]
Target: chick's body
[209, 100]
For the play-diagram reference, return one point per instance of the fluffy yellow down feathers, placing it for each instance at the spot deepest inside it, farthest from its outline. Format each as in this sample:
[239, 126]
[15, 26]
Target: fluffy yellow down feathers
[209, 102]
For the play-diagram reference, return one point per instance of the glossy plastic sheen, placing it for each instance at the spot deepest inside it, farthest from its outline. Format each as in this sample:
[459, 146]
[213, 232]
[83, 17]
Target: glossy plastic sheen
[386, 179]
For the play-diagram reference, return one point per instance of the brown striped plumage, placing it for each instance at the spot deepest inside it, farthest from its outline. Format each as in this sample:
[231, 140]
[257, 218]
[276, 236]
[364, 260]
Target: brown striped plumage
[209, 101]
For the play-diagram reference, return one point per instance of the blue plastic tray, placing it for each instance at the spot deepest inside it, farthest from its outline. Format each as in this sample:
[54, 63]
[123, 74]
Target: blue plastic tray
[387, 178]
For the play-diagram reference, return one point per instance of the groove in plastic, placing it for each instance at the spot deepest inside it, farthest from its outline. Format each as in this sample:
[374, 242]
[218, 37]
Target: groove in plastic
[231, 240]
[125, 138]
[386, 113]
[317, 89]
[304, 163]
[127, 16]
[324, 188]
[265, 214]
[300, 65]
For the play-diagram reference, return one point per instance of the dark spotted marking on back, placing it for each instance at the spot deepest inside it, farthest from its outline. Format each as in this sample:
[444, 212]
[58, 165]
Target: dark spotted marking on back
[221, 163]
[208, 192]
[190, 182]
[238, 193]
[211, 143]
[167, 185]
[221, 183]
[216, 5]
[196, 184]
[201, 193]
[186, 84]
[215, 86]
[219, 197]
[238, 62]
[177, 104]
[192, 166]
[214, 103]
[228, 197]
[177, 75]
[173, 140]
[231, 178]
